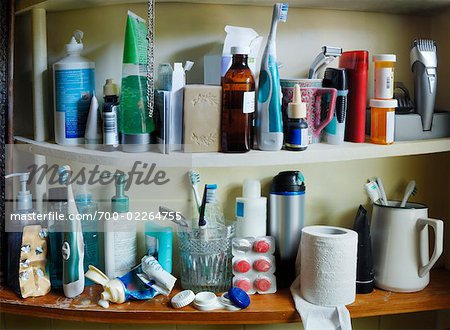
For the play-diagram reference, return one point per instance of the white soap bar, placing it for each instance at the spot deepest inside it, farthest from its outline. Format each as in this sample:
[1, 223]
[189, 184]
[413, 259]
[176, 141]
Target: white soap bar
[202, 112]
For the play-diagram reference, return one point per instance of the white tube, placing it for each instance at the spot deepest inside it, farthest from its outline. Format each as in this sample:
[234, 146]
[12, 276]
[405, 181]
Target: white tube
[39, 61]
[164, 281]
[93, 132]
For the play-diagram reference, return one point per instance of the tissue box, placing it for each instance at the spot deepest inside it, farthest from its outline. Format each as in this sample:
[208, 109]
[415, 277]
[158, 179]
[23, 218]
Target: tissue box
[202, 112]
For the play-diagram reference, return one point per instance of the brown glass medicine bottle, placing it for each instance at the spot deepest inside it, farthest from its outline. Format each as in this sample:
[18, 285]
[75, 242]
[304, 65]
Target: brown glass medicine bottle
[238, 104]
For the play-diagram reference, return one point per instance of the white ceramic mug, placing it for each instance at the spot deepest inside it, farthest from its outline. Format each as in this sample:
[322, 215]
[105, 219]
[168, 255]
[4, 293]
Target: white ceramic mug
[400, 246]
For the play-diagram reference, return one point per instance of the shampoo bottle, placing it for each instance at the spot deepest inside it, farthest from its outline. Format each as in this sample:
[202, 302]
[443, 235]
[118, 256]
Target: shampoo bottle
[251, 211]
[74, 84]
[27, 246]
[120, 234]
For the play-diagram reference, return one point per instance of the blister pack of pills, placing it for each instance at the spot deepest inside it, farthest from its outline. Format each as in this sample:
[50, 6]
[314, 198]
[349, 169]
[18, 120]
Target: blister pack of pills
[254, 264]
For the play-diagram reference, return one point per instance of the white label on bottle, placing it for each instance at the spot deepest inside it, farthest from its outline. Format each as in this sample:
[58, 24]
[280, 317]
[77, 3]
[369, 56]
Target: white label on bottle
[125, 245]
[304, 139]
[248, 106]
[384, 83]
[390, 126]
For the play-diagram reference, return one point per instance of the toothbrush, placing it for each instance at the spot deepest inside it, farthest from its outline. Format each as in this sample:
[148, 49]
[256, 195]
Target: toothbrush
[383, 193]
[373, 191]
[72, 249]
[410, 190]
[269, 122]
[194, 178]
[209, 195]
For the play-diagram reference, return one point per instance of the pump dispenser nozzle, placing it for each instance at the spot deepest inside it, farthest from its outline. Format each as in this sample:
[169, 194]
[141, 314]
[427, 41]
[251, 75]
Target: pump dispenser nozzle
[120, 201]
[24, 197]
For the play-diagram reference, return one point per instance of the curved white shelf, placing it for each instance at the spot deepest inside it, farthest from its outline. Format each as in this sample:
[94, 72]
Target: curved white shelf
[316, 153]
[386, 6]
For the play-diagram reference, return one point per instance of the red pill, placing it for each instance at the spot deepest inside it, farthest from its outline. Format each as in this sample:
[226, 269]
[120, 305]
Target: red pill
[263, 284]
[261, 246]
[243, 284]
[262, 265]
[242, 266]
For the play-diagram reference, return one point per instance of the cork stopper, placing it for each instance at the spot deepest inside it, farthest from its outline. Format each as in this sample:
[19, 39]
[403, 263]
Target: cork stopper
[296, 109]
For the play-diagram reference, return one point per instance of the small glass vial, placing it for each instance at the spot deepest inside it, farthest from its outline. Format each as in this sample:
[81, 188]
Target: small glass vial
[296, 138]
[382, 124]
[238, 104]
[384, 76]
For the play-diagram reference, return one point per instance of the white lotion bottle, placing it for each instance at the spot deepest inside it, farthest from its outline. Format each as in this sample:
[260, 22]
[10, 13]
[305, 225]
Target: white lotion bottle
[73, 88]
[120, 234]
[251, 211]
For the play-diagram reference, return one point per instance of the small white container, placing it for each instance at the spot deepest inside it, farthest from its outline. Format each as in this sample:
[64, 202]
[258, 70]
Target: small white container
[251, 211]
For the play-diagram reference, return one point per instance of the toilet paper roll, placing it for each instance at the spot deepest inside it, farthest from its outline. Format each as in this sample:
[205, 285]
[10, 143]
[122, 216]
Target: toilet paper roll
[328, 265]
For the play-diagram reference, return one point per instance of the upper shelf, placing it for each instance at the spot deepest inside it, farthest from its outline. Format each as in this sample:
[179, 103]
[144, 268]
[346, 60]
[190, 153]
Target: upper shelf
[316, 153]
[386, 6]
[272, 308]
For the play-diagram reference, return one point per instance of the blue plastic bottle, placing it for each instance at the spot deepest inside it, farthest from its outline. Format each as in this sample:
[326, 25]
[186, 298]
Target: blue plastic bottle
[158, 243]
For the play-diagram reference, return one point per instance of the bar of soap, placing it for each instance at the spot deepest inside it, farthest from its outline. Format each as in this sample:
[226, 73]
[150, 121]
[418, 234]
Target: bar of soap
[202, 112]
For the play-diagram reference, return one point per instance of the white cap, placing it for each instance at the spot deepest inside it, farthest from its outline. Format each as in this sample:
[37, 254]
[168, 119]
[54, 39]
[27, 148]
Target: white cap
[251, 189]
[296, 108]
[75, 45]
[388, 104]
[240, 50]
[110, 88]
[183, 299]
[207, 301]
[384, 58]
[113, 290]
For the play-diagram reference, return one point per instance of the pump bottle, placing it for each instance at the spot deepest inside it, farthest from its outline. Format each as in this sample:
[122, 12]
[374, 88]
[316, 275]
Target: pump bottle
[27, 246]
[120, 234]
[251, 211]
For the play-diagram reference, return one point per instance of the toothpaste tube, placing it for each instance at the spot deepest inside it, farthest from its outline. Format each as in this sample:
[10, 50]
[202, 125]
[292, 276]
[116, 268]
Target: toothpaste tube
[155, 276]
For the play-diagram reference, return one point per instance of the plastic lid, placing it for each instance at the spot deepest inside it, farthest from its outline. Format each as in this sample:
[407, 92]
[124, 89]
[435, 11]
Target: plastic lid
[384, 58]
[288, 181]
[240, 50]
[389, 104]
[297, 109]
[75, 45]
[251, 189]
[110, 88]
[183, 299]
[239, 297]
[114, 291]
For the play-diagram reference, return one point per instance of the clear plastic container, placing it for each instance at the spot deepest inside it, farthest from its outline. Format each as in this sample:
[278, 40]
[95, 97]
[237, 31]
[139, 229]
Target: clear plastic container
[384, 76]
[382, 121]
[205, 259]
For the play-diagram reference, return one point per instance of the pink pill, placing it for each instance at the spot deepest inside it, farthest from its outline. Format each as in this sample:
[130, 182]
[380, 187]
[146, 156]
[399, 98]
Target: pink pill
[262, 265]
[243, 284]
[242, 266]
[261, 246]
[263, 284]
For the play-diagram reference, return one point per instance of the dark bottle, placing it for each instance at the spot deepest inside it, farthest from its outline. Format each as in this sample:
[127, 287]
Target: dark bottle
[238, 104]
[296, 137]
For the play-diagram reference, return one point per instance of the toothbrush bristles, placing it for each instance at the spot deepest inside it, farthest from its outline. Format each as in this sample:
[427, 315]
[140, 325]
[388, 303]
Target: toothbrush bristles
[284, 7]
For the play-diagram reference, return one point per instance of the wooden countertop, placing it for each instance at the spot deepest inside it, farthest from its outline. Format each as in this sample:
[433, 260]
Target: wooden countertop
[272, 308]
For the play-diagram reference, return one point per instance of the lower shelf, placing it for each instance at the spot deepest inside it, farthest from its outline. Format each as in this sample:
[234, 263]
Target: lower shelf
[274, 308]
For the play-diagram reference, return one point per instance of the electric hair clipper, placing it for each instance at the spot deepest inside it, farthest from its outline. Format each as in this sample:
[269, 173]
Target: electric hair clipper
[424, 66]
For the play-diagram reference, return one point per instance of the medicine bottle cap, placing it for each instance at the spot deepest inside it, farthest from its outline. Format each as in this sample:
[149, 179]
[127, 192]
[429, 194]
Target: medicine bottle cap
[240, 50]
[296, 108]
[384, 58]
[389, 104]
[110, 88]
[239, 297]
[183, 299]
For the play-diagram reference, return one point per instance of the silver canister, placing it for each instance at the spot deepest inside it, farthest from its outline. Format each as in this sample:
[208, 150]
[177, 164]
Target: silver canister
[287, 209]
